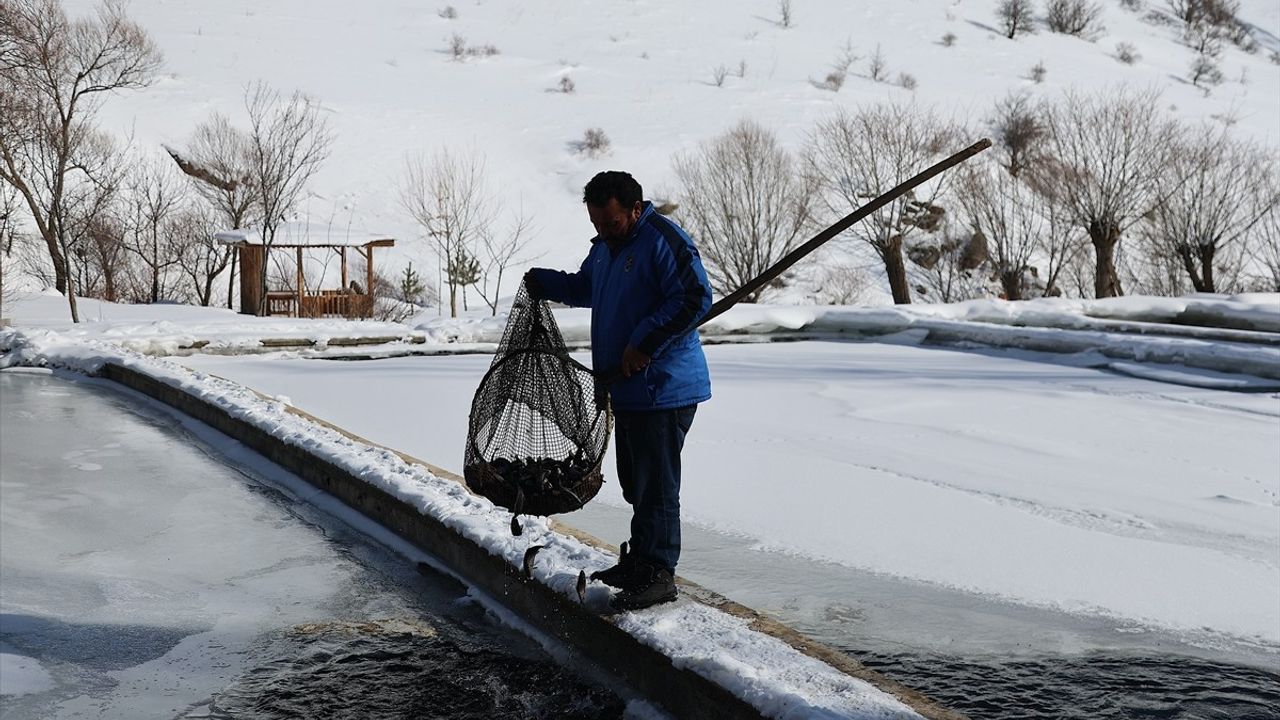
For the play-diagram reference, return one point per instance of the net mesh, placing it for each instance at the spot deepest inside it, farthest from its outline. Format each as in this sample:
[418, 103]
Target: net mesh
[539, 421]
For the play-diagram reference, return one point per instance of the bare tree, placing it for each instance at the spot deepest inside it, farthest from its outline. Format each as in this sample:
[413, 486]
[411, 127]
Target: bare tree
[86, 196]
[201, 259]
[153, 195]
[1216, 190]
[1061, 243]
[446, 195]
[1108, 149]
[855, 157]
[54, 73]
[1205, 39]
[499, 251]
[8, 273]
[1004, 210]
[842, 283]
[8, 234]
[950, 265]
[288, 140]
[1015, 17]
[745, 201]
[878, 66]
[104, 252]
[219, 160]
[1216, 12]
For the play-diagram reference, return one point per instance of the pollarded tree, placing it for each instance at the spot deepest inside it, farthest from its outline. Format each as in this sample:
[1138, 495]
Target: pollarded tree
[54, 73]
[854, 157]
[745, 202]
[1216, 190]
[1107, 150]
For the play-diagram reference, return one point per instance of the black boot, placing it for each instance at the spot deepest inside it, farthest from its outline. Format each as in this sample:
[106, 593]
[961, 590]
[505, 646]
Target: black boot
[650, 585]
[618, 576]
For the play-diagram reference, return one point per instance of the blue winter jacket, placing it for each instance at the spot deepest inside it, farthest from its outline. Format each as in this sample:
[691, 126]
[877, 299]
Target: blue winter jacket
[651, 294]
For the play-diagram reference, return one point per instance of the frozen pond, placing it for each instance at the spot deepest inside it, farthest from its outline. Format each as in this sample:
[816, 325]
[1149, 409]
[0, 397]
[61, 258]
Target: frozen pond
[142, 575]
[974, 523]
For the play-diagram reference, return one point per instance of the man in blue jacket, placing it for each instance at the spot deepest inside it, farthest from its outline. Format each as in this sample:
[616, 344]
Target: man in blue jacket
[644, 282]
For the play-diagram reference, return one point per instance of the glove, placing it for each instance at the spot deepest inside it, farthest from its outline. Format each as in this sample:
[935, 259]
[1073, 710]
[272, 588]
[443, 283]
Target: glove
[532, 286]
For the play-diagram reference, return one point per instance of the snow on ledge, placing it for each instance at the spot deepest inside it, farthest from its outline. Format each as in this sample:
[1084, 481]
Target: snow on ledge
[764, 671]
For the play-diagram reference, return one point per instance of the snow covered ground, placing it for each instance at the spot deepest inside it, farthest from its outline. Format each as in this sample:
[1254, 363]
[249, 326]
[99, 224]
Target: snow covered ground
[643, 72]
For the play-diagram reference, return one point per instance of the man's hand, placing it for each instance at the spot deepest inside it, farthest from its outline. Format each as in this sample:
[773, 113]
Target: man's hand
[532, 286]
[633, 361]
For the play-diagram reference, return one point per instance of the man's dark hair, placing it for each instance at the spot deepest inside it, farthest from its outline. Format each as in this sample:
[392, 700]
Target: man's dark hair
[612, 184]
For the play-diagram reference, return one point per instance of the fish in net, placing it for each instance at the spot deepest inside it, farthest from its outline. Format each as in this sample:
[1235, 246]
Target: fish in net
[539, 423]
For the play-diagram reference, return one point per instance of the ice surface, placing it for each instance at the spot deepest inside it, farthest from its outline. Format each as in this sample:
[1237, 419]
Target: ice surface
[22, 675]
[819, 689]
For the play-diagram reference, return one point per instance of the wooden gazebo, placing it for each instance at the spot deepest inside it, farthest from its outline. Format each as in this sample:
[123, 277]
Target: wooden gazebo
[350, 299]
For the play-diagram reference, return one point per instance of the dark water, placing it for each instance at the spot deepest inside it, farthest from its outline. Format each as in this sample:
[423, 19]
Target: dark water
[1096, 686]
[395, 669]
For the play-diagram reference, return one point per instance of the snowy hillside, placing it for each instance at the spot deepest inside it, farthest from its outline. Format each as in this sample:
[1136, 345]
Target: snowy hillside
[643, 71]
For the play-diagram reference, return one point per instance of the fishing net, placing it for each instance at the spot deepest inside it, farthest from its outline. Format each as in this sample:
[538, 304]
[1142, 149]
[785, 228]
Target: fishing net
[539, 421]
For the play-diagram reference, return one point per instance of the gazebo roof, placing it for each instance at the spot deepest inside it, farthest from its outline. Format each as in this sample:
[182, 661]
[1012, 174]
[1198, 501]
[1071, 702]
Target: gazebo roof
[301, 234]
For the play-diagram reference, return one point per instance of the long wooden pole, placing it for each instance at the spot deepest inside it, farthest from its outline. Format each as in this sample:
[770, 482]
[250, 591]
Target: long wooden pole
[840, 226]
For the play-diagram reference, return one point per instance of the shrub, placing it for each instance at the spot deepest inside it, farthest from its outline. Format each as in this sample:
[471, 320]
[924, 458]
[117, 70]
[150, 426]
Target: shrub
[448, 13]
[1081, 18]
[457, 47]
[459, 50]
[949, 39]
[1127, 53]
[566, 85]
[907, 81]
[594, 142]
[1018, 128]
[718, 75]
[1038, 72]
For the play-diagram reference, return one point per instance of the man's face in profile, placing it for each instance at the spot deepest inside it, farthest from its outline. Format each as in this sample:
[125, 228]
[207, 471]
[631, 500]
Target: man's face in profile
[613, 222]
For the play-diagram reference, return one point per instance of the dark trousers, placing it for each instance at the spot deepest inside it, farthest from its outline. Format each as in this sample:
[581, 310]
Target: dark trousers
[648, 446]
